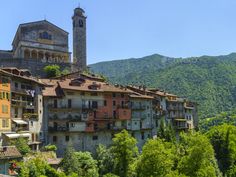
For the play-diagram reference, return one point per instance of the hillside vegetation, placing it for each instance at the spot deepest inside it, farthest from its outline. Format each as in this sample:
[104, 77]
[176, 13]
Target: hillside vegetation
[208, 80]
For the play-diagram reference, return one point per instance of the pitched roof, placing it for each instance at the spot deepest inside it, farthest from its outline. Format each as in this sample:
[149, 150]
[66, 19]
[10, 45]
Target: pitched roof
[38, 22]
[8, 73]
[9, 152]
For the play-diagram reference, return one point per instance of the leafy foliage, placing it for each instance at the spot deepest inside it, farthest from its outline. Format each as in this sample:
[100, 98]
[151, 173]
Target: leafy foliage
[124, 150]
[105, 160]
[22, 145]
[196, 156]
[52, 70]
[210, 81]
[50, 147]
[80, 163]
[37, 167]
[157, 159]
[223, 139]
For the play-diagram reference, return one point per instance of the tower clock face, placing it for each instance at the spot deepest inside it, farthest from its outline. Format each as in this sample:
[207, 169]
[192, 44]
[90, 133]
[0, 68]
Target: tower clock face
[81, 23]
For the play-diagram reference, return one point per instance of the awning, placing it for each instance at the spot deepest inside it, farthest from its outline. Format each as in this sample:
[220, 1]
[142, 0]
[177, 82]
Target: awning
[17, 135]
[20, 122]
[183, 120]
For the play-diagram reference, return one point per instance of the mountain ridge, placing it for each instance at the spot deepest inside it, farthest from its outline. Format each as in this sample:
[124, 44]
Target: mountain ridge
[209, 80]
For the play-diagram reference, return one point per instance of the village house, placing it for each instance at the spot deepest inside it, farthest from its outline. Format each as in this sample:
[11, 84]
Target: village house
[25, 107]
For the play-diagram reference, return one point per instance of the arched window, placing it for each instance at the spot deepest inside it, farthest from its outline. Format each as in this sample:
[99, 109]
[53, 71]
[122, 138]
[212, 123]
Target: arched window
[45, 35]
[34, 54]
[27, 54]
[40, 55]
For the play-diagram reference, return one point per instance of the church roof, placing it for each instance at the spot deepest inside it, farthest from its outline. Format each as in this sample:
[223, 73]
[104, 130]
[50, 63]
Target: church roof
[38, 22]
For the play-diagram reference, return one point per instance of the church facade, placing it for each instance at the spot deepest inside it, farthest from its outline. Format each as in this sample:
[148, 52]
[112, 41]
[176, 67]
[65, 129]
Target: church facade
[41, 43]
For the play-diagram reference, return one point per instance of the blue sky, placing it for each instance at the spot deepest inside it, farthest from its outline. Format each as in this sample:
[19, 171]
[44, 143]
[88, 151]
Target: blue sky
[119, 29]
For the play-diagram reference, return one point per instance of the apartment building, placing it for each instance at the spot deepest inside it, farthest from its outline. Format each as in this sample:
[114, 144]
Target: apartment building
[5, 102]
[25, 107]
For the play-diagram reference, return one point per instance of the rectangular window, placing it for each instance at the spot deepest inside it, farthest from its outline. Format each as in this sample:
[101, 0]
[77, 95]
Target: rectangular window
[67, 138]
[5, 81]
[16, 85]
[7, 96]
[114, 114]
[113, 95]
[5, 109]
[54, 138]
[122, 95]
[3, 123]
[105, 102]
[55, 104]
[142, 134]
[69, 103]
[94, 104]
[114, 103]
[95, 137]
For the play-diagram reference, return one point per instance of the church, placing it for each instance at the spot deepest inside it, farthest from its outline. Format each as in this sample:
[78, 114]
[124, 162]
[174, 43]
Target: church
[41, 43]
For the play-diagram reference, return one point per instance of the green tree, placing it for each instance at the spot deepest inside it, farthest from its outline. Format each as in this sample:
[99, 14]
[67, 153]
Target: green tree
[105, 159]
[37, 167]
[22, 145]
[50, 147]
[87, 166]
[157, 158]
[70, 161]
[166, 131]
[125, 151]
[52, 70]
[65, 71]
[223, 140]
[196, 156]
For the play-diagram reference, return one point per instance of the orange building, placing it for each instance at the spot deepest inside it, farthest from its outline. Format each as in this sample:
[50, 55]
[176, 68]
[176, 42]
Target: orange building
[5, 102]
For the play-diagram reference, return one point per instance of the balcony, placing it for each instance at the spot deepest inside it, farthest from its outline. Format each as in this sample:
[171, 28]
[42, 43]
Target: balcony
[22, 91]
[180, 124]
[30, 116]
[188, 106]
[138, 107]
[174, 108]
[59, 128]
[62, 109]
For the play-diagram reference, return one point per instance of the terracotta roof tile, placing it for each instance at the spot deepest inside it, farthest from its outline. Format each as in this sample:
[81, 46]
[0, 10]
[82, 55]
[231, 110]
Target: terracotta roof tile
[7, 152]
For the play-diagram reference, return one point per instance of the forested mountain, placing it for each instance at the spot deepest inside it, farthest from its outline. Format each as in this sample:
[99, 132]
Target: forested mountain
[211, 81]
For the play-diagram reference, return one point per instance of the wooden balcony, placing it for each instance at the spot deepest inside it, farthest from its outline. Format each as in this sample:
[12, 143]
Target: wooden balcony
[30, 116]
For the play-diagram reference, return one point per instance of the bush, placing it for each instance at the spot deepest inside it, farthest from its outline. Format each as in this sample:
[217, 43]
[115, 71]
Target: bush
[50, 147]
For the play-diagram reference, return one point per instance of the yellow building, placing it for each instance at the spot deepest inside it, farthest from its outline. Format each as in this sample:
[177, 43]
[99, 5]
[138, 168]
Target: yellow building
[5, 103]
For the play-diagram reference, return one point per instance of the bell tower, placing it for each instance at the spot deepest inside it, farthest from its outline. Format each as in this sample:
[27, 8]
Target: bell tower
[79, 39]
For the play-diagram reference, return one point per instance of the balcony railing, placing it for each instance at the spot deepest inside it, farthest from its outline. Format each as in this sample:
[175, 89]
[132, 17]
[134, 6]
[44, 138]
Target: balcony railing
[30, 116]
[138, 107]
[59, 128]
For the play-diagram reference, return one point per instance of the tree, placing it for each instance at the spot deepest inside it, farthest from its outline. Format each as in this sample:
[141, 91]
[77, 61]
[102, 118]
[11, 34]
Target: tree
[105, 159]
[223, 140]
[22, 145]
[87, 166]
[70, 161]
[196, 157]
[166, 132]
[157, 158]
[50, 147]
[125, 151]
[81, 163]
[65, 71]
[37, 167]
[52, 70]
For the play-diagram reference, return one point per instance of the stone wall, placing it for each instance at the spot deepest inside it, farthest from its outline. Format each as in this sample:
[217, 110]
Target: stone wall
[35, 66]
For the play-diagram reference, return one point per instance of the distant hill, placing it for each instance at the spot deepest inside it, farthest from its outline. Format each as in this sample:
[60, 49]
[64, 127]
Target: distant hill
[211, 81]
